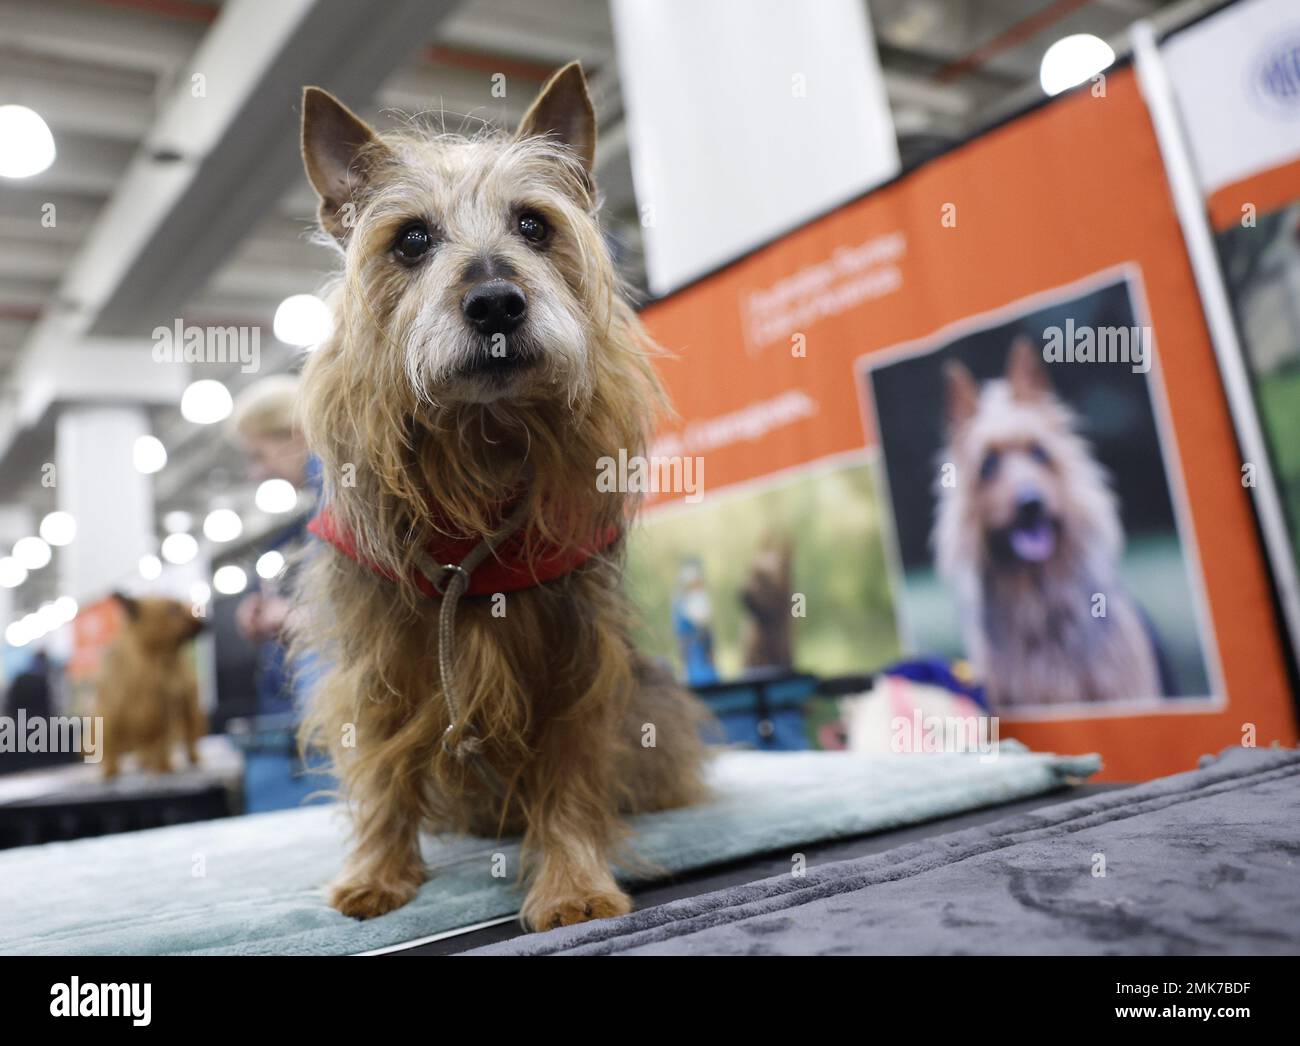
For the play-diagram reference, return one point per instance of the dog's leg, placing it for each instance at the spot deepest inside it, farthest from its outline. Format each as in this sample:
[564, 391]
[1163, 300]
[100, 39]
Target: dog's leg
[193, 726]
[663, 765]
[384, 870]
[158, 756]
[571, 832]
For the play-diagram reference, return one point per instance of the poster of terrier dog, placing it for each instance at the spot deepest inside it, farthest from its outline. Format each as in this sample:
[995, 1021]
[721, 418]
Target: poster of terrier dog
[1039, 527]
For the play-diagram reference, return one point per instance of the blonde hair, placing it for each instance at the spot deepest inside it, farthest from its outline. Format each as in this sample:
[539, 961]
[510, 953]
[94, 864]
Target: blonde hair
[267, 408]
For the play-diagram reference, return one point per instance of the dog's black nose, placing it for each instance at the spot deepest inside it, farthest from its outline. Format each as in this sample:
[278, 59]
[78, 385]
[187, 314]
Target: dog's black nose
[1030, 507]
[495, 307]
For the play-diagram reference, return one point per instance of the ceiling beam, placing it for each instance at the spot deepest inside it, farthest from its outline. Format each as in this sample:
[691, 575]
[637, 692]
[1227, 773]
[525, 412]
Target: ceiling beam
[98, 35]
[167, 230]
[209, 169]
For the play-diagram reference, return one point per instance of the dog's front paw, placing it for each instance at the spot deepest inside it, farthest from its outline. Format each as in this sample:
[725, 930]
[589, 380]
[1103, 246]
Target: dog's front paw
[365, 899]
[546, 913]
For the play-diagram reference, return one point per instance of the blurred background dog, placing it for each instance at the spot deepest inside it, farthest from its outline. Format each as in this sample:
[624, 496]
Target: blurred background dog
[148, 693]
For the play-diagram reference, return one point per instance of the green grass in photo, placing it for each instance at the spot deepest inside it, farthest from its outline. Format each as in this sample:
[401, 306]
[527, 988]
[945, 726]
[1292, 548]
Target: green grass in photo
[833, 518]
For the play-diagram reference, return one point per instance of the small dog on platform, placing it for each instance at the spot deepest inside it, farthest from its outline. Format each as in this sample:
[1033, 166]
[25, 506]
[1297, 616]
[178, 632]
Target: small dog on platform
[483, 361]
[1029, 537]
[148, 694]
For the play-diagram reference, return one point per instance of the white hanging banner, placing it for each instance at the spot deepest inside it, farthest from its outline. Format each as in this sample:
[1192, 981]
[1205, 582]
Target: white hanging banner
[1233, 127]
[1236, 76]
[745, 119]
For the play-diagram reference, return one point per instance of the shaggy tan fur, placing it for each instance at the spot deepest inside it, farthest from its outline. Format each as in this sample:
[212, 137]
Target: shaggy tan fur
[413, 442]
[148, 695]
[1032, 629]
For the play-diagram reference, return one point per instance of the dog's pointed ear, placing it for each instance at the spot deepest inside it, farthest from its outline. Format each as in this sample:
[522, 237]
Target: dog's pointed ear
[131, 607]
[562, 110]
[963, 395]
[1025, 371]
[337, 148]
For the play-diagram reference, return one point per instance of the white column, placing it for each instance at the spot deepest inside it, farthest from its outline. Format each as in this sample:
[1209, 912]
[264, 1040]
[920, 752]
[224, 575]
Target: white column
[6, 616]
[16, 521]
[112, 503]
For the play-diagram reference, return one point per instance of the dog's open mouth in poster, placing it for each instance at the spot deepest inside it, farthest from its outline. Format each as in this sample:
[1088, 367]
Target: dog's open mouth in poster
[1031, 541]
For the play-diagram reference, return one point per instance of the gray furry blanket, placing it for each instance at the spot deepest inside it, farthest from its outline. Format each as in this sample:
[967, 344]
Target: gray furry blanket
[1202, 863]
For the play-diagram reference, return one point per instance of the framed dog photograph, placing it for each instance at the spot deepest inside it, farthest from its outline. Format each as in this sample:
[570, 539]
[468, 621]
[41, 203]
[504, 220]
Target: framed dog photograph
[1035, 510]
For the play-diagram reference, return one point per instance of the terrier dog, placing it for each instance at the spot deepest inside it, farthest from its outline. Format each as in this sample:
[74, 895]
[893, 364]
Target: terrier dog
[1029, 536]
[148, 694]
[483, 360]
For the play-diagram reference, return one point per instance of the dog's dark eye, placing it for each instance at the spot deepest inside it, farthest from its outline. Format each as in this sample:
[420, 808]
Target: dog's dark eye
[412, 243]
[989, 466]
[1039, 454]
[533, 227]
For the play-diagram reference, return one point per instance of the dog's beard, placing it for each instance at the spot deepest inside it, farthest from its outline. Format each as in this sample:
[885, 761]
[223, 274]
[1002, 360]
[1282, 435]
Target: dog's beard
[448, 363]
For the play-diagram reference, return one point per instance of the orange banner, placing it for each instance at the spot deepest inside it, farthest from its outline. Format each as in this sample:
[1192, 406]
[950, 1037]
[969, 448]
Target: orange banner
[885, 335]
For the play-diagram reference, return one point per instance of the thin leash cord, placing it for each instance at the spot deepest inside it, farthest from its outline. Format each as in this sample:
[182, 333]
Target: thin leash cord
[469, 746]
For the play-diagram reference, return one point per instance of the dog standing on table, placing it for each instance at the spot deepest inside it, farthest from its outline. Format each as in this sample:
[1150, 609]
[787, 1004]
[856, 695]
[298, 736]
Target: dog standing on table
[1029, 536]
[148, 695]
[482, 361]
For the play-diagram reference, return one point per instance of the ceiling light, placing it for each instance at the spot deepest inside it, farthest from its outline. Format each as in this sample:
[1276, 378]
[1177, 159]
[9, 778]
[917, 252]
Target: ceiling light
[59, 528]
[148, 454]
[229, 580]
[26, 145]
[33, 553]
[206, 402]
[1072, 60]
[222, 524]
[12, 573]
[276, 496]
[269, 564]
[150, 567]
[302, 319]
[49, 617]
[179, 548]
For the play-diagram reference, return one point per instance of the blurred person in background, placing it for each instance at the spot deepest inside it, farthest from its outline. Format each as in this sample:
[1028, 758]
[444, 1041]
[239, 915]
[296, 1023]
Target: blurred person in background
[31, 689]
[264, 425]
[35, 692]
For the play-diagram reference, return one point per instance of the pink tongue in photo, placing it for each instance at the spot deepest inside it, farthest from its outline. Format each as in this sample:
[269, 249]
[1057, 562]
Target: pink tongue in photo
[1034, 544]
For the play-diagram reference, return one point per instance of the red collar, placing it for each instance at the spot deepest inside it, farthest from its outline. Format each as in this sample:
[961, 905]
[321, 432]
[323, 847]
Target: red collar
[505, 571]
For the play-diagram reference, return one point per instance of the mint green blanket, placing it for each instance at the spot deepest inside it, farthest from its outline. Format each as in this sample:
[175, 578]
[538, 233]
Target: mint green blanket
[253, 885]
